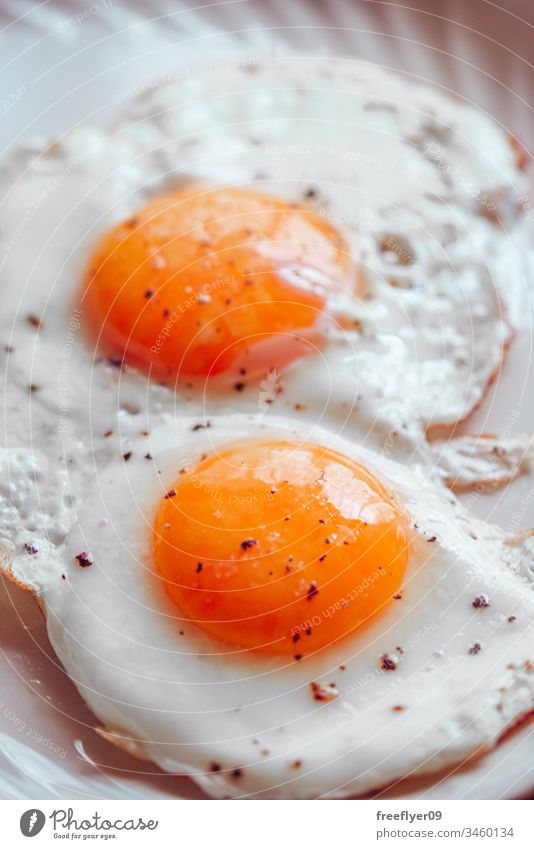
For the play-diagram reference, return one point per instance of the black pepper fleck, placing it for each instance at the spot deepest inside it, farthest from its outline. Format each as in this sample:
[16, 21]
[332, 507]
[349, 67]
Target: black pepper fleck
[248, 543]
[324, 692]
[84, 559]
[481, 600]
[312, 591]
[388, 663]
[116, 362]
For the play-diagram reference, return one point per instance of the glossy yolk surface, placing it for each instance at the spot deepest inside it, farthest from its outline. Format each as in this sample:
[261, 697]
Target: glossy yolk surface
[204, 282]
[281, 548]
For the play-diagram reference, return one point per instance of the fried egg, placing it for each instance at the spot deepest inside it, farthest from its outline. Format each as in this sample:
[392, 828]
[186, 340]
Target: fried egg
[285, 619]
[316, 238]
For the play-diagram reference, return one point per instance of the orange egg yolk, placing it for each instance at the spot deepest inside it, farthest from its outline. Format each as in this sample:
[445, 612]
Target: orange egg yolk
[280, 548]
[205, 282]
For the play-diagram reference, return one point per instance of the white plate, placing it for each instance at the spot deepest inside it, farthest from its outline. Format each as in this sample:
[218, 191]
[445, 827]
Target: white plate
[69, 62]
